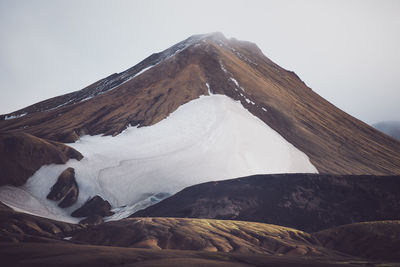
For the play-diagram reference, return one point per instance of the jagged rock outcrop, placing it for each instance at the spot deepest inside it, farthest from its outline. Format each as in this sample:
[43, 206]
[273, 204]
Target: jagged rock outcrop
[22, 154]
[94, 206]
[65, 189]
[92, 220]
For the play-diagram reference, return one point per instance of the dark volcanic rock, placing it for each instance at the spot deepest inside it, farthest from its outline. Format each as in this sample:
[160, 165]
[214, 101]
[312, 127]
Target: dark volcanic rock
[22, 154]
[65, 189]
[92, 220]
[69, 199]
[309, 202]
[94, 206]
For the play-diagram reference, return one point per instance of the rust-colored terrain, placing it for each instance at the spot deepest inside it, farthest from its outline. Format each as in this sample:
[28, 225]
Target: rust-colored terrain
[335, 141]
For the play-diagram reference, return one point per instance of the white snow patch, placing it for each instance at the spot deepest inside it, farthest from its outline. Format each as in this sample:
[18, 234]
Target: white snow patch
[210, 138]
[140, 72]
[248, 100]
[112, 88]
[209, 89]
[234, 80]
[21, 199]
[14, 116]
[223, 67]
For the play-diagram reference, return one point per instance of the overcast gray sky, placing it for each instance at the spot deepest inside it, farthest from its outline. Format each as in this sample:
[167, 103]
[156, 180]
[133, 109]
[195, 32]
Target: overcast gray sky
[347, 51]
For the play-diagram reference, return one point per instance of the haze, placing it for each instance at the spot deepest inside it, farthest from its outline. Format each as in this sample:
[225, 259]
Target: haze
[346, 51]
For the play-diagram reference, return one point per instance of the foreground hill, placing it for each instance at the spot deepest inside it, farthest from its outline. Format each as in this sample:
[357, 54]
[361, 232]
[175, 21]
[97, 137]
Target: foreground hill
[27, 240]
[309, 202]
[203, 234]
[65, 254]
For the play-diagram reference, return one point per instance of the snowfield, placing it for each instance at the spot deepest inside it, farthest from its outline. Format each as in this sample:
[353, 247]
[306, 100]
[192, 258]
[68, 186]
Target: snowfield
[210, 138]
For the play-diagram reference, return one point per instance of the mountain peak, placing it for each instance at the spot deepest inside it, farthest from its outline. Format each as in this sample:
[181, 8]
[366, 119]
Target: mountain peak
[215, 36]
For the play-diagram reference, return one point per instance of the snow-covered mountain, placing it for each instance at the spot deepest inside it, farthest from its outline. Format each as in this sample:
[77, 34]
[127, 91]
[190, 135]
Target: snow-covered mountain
[391, 128]
[207, 108]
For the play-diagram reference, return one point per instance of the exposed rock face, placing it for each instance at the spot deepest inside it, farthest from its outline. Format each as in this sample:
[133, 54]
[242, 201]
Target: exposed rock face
[334, 141]
[65, 189]
[22, 154]
[92, 220]
[310, 202]
[94, 206]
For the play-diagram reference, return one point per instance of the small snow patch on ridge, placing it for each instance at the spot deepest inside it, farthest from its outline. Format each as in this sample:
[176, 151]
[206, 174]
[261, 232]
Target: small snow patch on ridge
[6, 118]
[209, 89]
[234, 80]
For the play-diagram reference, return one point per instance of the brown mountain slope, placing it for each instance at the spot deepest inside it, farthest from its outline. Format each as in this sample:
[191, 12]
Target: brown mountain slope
[334, 141]
[309, 202]
[22, 154]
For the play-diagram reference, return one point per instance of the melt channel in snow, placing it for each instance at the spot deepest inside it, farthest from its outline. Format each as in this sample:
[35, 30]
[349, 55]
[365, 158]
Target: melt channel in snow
[210, 138]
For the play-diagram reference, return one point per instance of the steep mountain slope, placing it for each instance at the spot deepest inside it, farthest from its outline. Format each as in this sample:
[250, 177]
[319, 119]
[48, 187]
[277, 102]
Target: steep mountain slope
[147, 93]
[391, 128]
[22, 154]
[309, 202]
